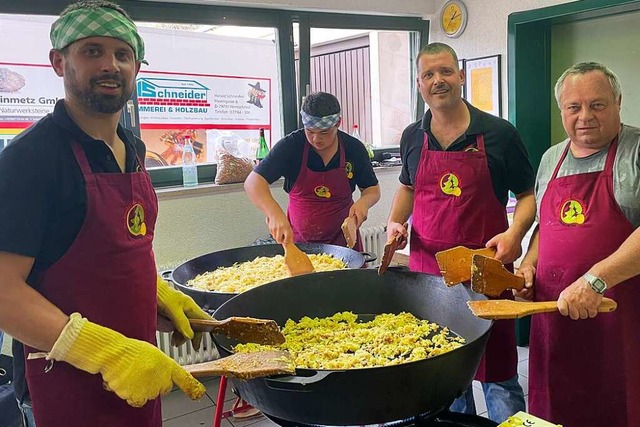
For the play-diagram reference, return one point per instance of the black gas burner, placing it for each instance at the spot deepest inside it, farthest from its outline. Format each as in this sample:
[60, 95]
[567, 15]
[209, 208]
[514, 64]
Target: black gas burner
[440, 419]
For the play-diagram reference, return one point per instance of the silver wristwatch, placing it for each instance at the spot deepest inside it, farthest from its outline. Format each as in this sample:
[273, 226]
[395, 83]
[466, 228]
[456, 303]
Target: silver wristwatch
[596, 283]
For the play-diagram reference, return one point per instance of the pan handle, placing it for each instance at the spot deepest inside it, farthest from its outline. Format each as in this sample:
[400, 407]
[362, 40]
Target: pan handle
[369, 257]
[296, 382]
[166, 275]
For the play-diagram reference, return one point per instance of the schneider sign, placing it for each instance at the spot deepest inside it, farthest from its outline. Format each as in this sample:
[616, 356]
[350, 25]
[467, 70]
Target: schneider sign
[172, 95]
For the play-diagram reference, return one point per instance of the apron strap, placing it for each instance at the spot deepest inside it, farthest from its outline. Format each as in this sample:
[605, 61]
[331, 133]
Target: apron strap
[611, 155]
[303, 166]
[608, 167]
[81, 158]
[480, 141]
[564, 155]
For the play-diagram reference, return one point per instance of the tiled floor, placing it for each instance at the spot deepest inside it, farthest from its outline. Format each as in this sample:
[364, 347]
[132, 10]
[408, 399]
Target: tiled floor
[179, 411]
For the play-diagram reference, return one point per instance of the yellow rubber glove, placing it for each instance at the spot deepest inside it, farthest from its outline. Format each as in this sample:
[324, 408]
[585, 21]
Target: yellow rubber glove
[179, 308]
[135, 370]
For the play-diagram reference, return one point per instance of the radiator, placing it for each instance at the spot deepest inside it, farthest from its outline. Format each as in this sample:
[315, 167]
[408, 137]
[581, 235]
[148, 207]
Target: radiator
[185, 355]
[373, 241]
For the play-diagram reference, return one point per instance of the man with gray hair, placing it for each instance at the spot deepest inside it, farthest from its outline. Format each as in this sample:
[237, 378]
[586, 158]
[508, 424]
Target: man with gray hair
[585, 247]
[79, 290]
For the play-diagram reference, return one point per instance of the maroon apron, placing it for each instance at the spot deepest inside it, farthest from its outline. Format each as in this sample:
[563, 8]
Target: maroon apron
[454, 204]
[109, 276]
[584, 372]
[319, 202]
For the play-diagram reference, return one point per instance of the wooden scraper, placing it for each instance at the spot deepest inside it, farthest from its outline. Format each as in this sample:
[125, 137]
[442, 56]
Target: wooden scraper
[455, 263]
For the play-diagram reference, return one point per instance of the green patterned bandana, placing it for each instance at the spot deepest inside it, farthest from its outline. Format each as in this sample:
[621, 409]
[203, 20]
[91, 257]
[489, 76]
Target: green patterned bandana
[96, 22]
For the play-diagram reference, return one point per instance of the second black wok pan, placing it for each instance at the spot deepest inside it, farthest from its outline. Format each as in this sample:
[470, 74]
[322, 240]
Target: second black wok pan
[210, 300]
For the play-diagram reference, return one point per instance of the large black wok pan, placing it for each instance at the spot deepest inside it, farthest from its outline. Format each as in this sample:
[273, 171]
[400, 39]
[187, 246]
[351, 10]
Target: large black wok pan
[212, 300]
[362, 396]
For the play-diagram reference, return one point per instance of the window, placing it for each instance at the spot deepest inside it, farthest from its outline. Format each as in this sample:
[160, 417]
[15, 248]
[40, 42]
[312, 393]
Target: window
[28, 87]
[368, 65]
[217, 84]
[225, 73]
[370, 74]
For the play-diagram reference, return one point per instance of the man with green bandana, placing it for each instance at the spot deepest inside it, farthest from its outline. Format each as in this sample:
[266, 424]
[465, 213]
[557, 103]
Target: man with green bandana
[321, 166]
[78, 284]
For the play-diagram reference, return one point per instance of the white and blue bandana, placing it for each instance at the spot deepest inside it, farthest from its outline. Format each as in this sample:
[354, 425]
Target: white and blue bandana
[315, 122]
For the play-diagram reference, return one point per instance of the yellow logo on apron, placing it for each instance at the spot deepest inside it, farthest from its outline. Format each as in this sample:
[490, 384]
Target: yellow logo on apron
[135, 220]
[449, 184]
[348, 167]
[572, 212]
[322, 191]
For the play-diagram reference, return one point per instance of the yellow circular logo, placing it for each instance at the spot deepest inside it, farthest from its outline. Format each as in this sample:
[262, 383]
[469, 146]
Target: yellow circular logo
[572, 212]
[471, 149]
[135, 220]
[349, 169]
[322, 191]
[449, 184]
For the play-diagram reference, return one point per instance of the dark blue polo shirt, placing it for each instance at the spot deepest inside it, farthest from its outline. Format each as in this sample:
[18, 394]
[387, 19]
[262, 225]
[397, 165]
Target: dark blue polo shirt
[507, 156]
[43, 195]
[285, 159]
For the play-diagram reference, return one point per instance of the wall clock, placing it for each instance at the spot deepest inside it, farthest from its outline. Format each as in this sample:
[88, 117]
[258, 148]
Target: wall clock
[453, 18]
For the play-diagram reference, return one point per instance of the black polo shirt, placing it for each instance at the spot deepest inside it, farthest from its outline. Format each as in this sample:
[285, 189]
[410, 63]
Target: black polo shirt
[285, 159]
[507, 156]
[43, 195]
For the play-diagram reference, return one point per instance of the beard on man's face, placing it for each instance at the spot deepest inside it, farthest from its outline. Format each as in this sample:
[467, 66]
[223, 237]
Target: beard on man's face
[99, 102]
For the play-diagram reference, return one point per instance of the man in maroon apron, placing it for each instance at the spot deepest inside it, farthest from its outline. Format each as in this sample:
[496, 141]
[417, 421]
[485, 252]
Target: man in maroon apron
[77, 272]
[587, 372]
[322, 167]
[458, 165]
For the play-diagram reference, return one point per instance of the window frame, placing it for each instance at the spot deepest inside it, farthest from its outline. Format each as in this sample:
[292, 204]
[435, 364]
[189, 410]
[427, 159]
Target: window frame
[281, 20]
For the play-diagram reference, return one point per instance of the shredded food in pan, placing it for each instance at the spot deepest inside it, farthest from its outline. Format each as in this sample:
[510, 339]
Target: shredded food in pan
[341, 342]
[246, 275]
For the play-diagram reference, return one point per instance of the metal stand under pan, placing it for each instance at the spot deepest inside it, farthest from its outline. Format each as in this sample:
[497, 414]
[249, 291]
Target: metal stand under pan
[441, 418]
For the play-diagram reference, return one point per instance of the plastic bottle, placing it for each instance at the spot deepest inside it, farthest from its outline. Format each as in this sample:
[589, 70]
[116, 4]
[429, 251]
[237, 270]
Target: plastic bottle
[356, 134]
[263, 148]
[189, 164]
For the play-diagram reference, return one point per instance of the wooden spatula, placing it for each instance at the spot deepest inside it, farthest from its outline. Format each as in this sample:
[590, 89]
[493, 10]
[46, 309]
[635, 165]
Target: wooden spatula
[246, 365]
[489, 277]
[297, 262]
[506, 309]
[455, 263]
[243, 329]
[389, 249]
[350, 231]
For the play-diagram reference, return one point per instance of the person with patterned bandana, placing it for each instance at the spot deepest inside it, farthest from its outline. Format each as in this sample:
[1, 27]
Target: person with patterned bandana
[79, 290]
[322, 167]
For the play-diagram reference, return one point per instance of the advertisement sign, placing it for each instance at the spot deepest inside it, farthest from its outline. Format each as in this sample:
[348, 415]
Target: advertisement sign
[180, 98]
[27, 93]
[187, 90]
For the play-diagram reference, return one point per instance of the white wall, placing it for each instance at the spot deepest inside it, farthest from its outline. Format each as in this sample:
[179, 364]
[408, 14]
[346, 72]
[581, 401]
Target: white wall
[486, 31]
[383, 7]
[613, 41]
[213, 218]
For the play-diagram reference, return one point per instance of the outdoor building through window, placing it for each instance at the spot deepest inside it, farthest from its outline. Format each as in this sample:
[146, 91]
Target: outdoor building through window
[370, 74]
